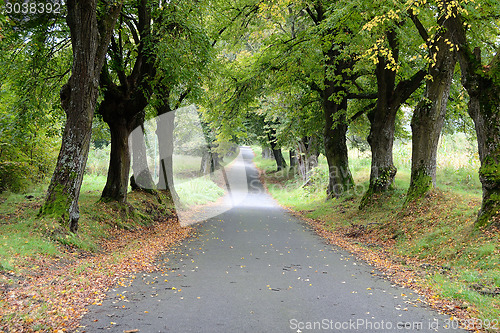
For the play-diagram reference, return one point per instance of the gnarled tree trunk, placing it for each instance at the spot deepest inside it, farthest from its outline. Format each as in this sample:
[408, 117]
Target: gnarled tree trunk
[123, 106]
[390, 97]
[483, 85]
[116, 187]
[90, 38]
[335, 140]
[267, 153]
[278, 156]
[428, 118]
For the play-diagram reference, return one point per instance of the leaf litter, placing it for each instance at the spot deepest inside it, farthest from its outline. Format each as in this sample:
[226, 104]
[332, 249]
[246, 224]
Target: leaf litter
[55, 294]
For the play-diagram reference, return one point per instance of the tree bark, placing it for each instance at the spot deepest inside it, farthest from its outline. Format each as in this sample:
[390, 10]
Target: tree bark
[278, 156]
[428, 119]
[383, 119]
[90, 38]
[293, 158]
[123, 111]
[335, 140]
[280, 160]
[206, 165]
[123, 107]
[483, 85]
[484, 108]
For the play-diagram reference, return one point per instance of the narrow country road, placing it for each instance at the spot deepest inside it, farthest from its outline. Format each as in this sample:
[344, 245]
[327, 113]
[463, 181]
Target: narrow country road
[256, 268]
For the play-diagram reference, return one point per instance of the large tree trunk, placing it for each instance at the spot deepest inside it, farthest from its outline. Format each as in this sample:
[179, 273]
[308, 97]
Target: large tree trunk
[123, 106]
[484, 108]
[383, 119]
[483, 85]
[123, 111]
[335, 140]
[382, 126]
[334, 102]
[280, 160]
[381, 140]
[89, 39]
[119, 163]
[428, 119]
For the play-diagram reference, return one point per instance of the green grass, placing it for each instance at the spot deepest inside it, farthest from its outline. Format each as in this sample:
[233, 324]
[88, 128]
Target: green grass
[199, 191]
[98, 161]
[19, 237]
[24, 236]
[460, 291]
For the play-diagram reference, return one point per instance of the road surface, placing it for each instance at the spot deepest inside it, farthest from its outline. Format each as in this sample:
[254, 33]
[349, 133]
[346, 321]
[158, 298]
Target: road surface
[256, 268]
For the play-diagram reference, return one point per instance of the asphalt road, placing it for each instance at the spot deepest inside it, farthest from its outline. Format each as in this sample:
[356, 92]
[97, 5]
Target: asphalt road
[256, 268]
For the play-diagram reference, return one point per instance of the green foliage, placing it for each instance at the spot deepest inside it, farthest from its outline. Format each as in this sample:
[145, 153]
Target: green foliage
[183, 50]
[33, 63]
[198, 191]
[98, 161]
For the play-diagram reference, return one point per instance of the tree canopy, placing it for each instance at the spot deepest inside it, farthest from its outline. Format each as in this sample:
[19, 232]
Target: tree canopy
[298, 75]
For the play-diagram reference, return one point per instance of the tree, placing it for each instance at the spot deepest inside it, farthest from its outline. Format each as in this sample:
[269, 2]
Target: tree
[185, 61]
[482, 83]
[429, 115]
[90, 27]
[391, 95]
[159, 52]
[123, 106]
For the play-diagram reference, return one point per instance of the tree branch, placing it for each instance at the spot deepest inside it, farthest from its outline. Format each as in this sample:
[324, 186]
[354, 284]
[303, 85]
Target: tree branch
[182, 97]
[132, 25]
[106, 24]
[367, 109]
[312, 16]
[117, 57]
[405, 88]
[420, 27]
